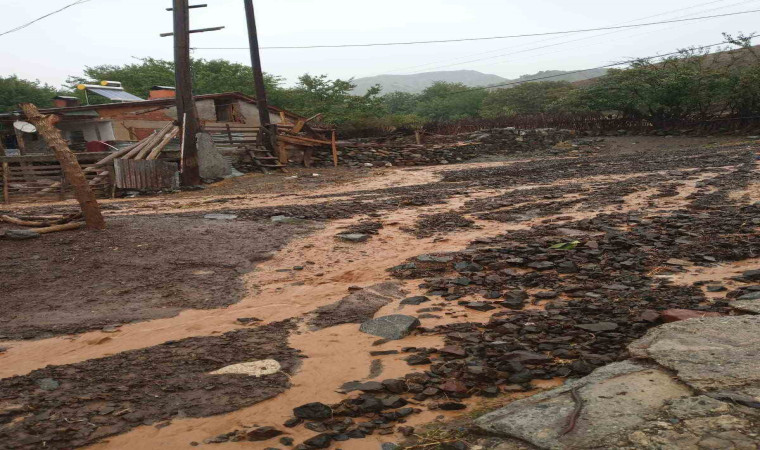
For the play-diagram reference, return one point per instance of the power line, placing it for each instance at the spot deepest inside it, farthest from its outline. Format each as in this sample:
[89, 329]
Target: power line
[21, 27]
[406, 69]
[490, 38]
[540, 47]
[513, 83]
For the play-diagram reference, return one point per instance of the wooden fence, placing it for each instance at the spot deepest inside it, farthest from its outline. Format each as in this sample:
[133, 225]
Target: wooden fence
[39, 177]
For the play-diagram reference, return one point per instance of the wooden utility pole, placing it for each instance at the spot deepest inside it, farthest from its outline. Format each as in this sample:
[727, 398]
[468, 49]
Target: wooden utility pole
[184, 92]
[69, 164]
[258, 74]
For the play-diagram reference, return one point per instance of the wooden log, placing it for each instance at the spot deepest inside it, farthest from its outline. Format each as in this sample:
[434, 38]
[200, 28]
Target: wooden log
[111, 157]
[334, 150]
[308, 156]
[64, 227]
[6, 182]
[154, 140]
[69, 165]
[24, 223]
[161, 145]
[300, 140]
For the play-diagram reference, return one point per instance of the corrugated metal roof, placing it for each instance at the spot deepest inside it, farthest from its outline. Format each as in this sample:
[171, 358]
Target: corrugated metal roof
[115, 94]
[85, 113]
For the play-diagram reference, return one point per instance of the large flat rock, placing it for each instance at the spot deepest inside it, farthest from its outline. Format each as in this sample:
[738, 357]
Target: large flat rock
[395, 326]
[711, 354]
[616, 399]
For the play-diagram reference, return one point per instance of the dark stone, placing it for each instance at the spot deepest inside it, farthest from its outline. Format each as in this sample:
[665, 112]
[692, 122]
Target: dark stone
[520, 378]
[319, 441]
[464, 266]
[751, 275]
[452, 406]
[319, 427]
[293, 422]
[370, 386]
[716, 288]
[541, 265]
[263, 434]
[287, 441]
[454, 350]
[395, 326]
[312, 411]
[383, 352]
[395, 386]
[524, 357]
[415, 300]
[417, 359]
[598, 327]
[479, 306]
[394, 401]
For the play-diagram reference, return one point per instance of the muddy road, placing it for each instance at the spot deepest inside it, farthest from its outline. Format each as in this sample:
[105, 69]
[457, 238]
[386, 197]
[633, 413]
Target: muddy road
[520, 274]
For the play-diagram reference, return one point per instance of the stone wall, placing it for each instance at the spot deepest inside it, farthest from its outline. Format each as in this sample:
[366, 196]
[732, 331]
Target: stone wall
[453, 149]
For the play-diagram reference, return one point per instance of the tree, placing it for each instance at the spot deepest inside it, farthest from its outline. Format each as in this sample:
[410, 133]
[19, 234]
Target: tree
[14, 90]
[400, 102]
[209, 77]
[450, 101]
[526, 98]
[332, 98]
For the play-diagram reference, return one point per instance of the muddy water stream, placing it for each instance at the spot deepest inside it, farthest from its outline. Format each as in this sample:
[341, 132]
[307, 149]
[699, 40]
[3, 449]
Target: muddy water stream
[335, 355]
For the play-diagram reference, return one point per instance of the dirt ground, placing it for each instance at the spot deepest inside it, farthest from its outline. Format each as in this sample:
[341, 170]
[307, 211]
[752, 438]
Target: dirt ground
[643, 225]
[141, 267]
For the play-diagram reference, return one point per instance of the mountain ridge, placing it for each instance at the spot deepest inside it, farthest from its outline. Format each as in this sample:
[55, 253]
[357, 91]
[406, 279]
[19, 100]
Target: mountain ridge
[416, 83]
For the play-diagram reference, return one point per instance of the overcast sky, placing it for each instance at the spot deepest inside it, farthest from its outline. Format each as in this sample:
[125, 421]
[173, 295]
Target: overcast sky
[117, 31]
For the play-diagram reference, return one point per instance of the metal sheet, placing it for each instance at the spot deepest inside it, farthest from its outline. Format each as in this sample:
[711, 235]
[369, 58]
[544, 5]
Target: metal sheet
[115, 94]
[142, 174]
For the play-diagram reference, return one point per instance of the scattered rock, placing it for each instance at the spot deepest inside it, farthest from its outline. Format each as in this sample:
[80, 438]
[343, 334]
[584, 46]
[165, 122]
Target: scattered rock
[395, 326]
[263, 434]
[415, 300]
[48, 384]
[253, 368]
[220, 216]
[288, 220]
[353, 237]
[20, 235]
[598, 327]
[313, 411]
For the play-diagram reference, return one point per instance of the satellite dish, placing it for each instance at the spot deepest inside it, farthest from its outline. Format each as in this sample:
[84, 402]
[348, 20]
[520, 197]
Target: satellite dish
[24, 127]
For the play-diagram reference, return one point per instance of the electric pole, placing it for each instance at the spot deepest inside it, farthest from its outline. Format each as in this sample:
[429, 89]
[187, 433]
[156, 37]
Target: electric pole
[258, 74]
[184, 94]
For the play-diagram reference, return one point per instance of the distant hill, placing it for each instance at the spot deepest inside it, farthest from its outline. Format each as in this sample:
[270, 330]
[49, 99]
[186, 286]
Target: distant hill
[416, 83]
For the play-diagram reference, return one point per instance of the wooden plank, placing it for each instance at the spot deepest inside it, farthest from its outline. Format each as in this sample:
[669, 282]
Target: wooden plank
[299, 140]
[6, 181]
[282, 152]
[298, 126]
[334, 150]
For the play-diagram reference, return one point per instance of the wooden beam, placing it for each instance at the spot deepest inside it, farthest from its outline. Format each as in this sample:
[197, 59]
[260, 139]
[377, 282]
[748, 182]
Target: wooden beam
[334, 150]
[6, 180]
[69, 165]
[300, 140]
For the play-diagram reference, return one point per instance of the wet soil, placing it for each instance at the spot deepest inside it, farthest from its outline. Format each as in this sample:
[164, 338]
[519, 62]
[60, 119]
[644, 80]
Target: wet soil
[74, 405]
[509, 311]
[139, 268]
